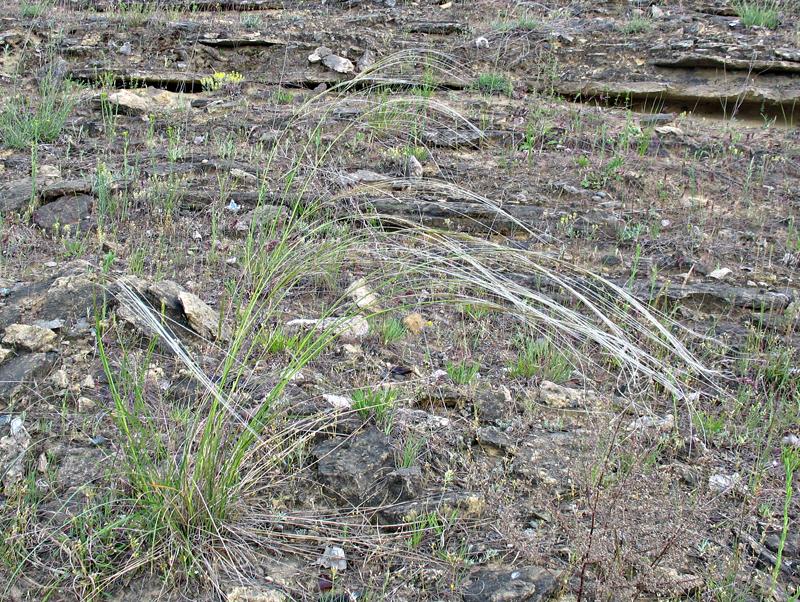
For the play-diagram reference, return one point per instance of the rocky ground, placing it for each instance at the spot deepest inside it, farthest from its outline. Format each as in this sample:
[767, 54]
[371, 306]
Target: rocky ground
[399, 300]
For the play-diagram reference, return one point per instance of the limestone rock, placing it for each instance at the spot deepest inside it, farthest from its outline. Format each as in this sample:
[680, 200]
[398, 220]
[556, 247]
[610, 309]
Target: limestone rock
[146, 101]
[30, 338]
[338, 63]
[202, 319]
[255, 594]
[18, 371]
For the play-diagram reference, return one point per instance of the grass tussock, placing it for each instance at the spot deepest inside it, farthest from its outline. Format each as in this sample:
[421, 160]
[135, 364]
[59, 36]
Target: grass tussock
[759, 13]
[25, 122]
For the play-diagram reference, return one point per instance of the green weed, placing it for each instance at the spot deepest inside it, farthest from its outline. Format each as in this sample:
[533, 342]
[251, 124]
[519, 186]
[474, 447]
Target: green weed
[32, 10]
[250, 21]
[277, 341]
[282, 96]
[521, 24]
[637, 25]
[409, 455]
[791, 464]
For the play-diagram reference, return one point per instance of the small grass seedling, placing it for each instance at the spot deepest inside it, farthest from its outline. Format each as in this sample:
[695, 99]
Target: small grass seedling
[282, 96]
[409, 455]
[538, 357]
[462, 373]
[392, 330]
[377, 403]
[494, 83]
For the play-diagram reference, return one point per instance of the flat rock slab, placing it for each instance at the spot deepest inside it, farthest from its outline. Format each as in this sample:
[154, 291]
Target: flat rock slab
[172, 80]
[181, 308]
[19, 371]
[66, 214]
[202, 319]
[697, 60]
[528, 583]
[237, 42]
[18, 194]
[467, 504]
[702, 92]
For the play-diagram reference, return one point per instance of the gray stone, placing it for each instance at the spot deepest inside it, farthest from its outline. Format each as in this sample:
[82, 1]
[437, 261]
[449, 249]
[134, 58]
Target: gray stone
[788, 54]
[493, 438]
[19, 371]
[15, 196]
[13, 450]
[338, 63]
[548, 461]
[468, 505]
[66, 214]
[404, 484]
[355, 469]
[366, 61]
[81, 466]
[255, 594]
[74, 296]
[202, 319]
[493, 407]
[319, 53]
[529, 583]
[447, 396]
[413, 168]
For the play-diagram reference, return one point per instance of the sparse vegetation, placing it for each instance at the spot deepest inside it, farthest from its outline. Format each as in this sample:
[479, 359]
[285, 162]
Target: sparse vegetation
[282, 97]
[32, 10]
[250, 348]
[538, 357]
[520, 24]
[637, 25]
[377, 403]
[221, 79]
[392, 330]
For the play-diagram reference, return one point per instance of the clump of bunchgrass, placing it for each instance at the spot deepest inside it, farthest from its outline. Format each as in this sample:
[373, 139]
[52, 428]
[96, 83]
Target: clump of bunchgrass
[392, 329]
[539, 357]
[32, 10]
[494, 83]
[377, 403]
[25, 122]
[520, 24]
[637, 25]
[463, 372]
[759, 13]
